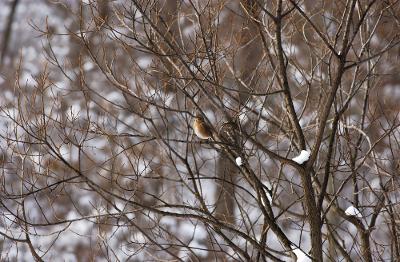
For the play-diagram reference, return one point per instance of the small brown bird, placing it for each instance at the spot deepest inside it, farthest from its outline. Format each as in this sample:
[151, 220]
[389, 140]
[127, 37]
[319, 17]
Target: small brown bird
[201, 128]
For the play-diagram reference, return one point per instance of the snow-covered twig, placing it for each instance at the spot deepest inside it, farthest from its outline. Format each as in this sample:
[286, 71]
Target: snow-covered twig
[303, 157]
[353, 211]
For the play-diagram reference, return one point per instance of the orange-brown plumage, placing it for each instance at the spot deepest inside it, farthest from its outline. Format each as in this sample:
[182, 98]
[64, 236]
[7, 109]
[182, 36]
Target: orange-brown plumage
[201, 128]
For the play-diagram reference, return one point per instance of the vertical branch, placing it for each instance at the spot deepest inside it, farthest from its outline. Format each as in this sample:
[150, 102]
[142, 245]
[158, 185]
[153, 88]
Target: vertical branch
[326, 110]
[7, 31]
[283, 72]
[313, 212]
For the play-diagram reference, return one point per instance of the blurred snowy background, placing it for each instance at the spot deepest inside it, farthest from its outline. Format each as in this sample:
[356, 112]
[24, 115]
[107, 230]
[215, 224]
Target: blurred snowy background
[99, 161]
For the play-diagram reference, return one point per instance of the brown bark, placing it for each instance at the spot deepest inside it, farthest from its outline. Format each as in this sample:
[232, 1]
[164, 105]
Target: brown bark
[7, 32]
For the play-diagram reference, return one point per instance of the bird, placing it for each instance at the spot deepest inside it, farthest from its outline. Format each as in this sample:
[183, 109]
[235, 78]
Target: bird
[201, 128]
[230, 133]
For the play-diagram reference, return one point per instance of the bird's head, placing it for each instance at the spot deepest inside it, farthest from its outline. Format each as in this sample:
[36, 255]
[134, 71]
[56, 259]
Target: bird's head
[199, 117]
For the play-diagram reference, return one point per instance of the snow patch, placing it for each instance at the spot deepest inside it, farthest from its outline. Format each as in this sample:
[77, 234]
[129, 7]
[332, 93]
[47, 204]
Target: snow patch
[267, 193]
[353, 211]
[301, 256]
[303, 157]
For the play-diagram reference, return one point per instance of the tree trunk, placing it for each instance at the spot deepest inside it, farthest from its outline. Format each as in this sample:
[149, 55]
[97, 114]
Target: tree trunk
[7, 31]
